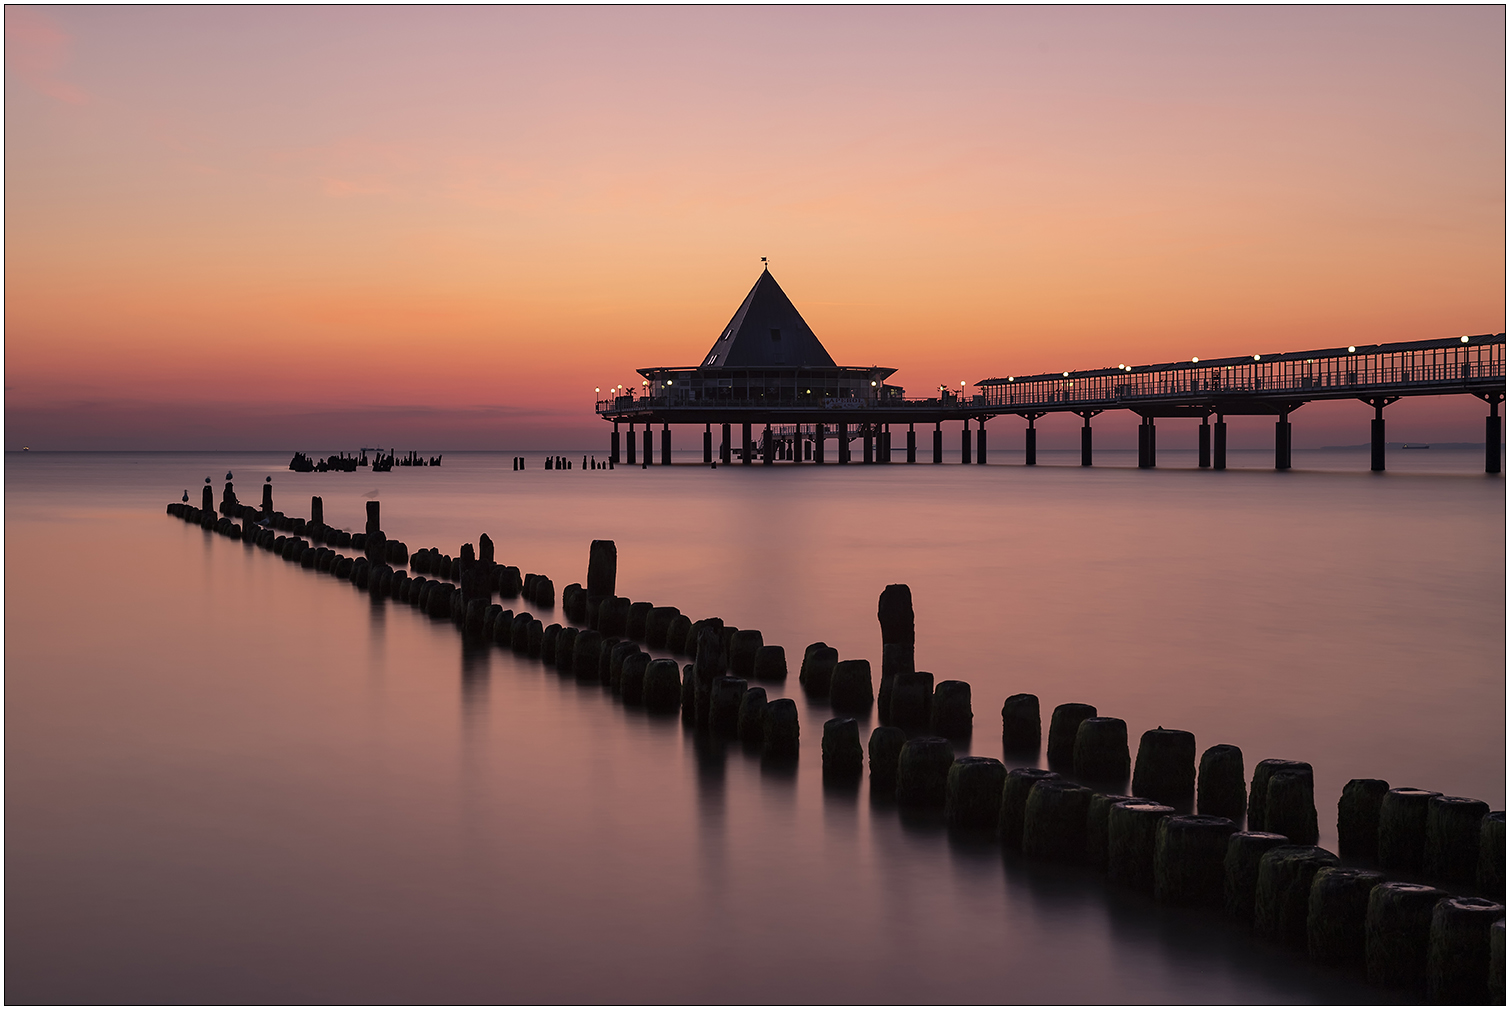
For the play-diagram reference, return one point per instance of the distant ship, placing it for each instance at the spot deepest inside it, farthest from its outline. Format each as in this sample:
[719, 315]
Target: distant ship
[1418, 445]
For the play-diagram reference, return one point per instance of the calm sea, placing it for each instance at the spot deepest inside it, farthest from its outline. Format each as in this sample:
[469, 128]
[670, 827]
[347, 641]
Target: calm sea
[231, 779]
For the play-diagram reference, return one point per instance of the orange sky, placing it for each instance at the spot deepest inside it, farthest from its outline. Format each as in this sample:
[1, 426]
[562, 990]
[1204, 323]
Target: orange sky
[313, 227]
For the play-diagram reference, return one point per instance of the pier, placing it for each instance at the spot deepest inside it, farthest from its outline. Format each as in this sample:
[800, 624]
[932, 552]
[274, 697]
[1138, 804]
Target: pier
[768, 391]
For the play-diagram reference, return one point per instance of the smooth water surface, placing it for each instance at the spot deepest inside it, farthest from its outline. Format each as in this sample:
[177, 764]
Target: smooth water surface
[232, 779]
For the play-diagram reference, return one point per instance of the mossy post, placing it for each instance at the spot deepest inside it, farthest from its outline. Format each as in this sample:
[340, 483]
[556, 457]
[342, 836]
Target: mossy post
[911, 701]
[1453, 826]
[843, 757]
[1358, 818]
[898, 638]
[602, 578]
[1096, 818]
[1189, 856]
[923, 771]
[708, 663]
[1053, 820]
[1221, 786]
[1245, 850]
[1014, 802]
[1282, 898]
[1101, 750]
[972, 794]
[885, 750]
[1290, 807]
[1132, 832]
[817, 675]
[781, 731]
[851, 689]
[662, 687]
[1402, 829]
[752, 717]
[1458, 958]
[1490, 877]
[1258, 794]
[1063, 725]
[1165, 769]
[770, 664]
[1335, 912]
[1021, 726]
[1397, 934]
[950, 715]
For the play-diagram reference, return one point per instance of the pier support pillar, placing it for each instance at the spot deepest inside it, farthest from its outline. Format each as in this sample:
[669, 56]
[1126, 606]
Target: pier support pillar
[1492, 434]
[964, 444]
[746, 452]
[885, 443]
[842, 431]
[1148, 452]
[1282, 441]
[707, 443]
[1085, 435]
[1376, 431]
[819, 434]
[613, 444]
[867, 450]
[938, 442]
[630, 446]
[1203, 445]
[726, 449]
[665, 445]
[649, 447]
[1219, 444]
[980, 440]
[912, 445]
[768, 448]
[1030, 440]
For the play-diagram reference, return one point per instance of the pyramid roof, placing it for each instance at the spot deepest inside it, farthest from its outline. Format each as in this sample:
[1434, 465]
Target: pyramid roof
[767, 332]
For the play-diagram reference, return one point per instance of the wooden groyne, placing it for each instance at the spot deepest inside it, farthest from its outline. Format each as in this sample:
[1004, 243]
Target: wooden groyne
[1418, 907]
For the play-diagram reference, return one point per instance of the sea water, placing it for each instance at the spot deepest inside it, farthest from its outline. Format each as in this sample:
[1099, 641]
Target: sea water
[233, 779]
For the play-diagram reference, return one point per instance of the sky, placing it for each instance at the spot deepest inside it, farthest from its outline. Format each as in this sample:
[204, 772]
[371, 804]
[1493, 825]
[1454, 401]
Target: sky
[431, 228]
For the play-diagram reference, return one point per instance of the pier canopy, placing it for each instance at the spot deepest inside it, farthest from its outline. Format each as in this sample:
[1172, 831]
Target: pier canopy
[766, 357]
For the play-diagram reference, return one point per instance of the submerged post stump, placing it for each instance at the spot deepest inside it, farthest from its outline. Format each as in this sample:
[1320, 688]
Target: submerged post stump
[723, 704]
[1245, 851]
[752, 717]
[972, 795]
[662, 685]
[1397, 934]
[923, 771]
[632, 677]
[781, 730]
[885, 750]
[1497, 963]
[1358, 818]
[843, 757]
[1491, 869]
[548, 640]
[1189, 852]
[1014, 802]
[585, 655]
[1458, 955]
[1021, 728]
[616, 657]
[770, 663]
[635, 621]
[817, 674]
[898, 638]
[1165, 769]
[1096, 818]
[1053, 820]
[911, 701]
[1132, 843]
[1335, 912]
[743, 645]
[1063, 725]
[851, 690]
[1290, 807]
[1281, 901]
[950, 715]
[658, 625]
[1221, 787]
[1258, 795]
[1101, 749]
[1453, 827]
[1402, 829]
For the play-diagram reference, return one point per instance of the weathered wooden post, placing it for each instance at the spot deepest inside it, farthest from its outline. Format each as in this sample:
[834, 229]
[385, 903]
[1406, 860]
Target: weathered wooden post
[898, 641]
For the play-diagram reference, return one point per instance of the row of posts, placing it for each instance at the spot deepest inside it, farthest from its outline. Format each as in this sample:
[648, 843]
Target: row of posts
[1211, 442]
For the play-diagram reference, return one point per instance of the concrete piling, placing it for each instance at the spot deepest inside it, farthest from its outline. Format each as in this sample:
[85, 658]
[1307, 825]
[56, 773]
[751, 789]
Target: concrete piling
[1453, 826]
[1490, 877]
[1397, 934]
[923, 771]
[632, 677]
[662, 686]
[1335, 912]
[950, 715]
[1358, 818]
[1245, 852]
[1053, 820]
[1064, 724]
[1189, 856]
[723, 704]
[1402, 829]
[1221, 789]
[1281, 901]
[1290, 807]
[1132, 843]
[1014, 802]
[752, 717]
[972, 794]
[770, 663]
[851, 690]
[843, 757]
[1100, 750]
[885, 750]
[912, 701]
[1459, 950]
[1165, 769]
[1021, 727]
[782, 732]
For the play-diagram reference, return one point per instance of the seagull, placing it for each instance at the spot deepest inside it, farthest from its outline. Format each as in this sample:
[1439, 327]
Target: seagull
[228, 475]
[207, 480]
[186, 494]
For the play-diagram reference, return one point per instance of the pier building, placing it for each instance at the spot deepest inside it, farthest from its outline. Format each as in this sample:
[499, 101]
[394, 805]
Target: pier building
[768, 379]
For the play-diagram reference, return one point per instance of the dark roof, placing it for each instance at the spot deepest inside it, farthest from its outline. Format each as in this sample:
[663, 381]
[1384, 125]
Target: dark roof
[767, 332]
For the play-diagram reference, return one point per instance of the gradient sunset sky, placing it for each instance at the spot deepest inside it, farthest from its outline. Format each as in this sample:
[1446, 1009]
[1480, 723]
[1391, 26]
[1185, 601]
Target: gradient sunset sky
[272, 227]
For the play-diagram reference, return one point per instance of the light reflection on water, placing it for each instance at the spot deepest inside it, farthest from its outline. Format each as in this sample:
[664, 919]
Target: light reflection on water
[233, 779]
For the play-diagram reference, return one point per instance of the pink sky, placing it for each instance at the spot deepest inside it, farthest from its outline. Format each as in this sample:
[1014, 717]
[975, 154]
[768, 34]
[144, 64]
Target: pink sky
[441, 228]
